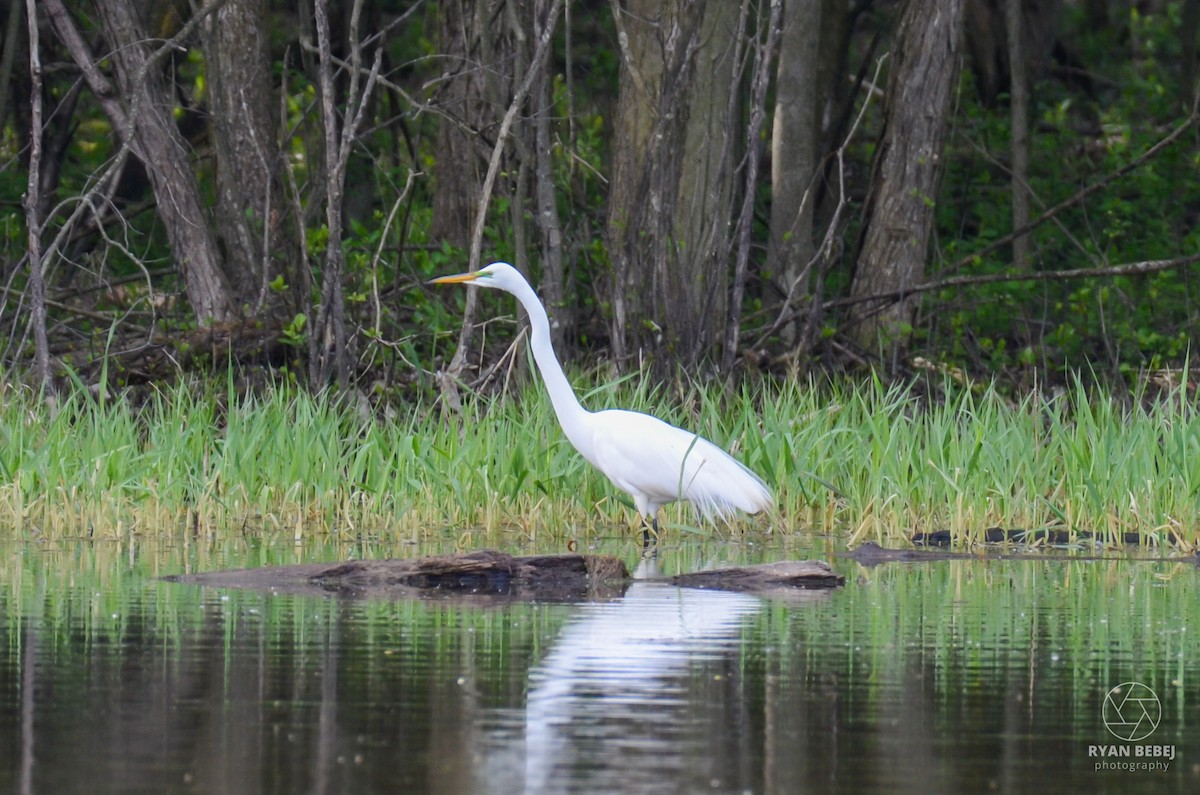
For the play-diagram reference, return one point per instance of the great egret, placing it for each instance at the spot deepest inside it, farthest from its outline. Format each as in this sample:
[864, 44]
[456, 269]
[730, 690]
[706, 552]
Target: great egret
[654, 462]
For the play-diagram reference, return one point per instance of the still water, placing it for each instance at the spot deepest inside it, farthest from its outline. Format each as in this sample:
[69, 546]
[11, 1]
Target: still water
[954, 676]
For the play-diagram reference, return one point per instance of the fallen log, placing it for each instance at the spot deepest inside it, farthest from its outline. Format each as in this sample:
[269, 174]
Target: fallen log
[1048, 536]
[484, 573]
[805, 574]
[871, 554]
[567, 577]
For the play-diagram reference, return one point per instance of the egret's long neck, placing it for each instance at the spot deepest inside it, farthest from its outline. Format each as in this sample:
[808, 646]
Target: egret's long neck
[570, 412]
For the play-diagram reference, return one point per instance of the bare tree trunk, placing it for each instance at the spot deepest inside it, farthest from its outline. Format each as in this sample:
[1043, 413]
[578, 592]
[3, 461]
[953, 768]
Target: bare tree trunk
[900, 206]
[634, 125]
[795, 151]
[485, 195]
[33, 220]
[464, 111]
[667, 232]
[552, 287]
[1019, 110]
[696, 280]
[241, 106]
[328, 342]
[146, 124]
[764, 56]
[8, 57]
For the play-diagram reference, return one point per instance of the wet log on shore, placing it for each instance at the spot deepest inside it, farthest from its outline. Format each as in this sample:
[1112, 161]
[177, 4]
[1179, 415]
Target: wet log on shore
[1047, 536]
[567, 577]
[804, 574]
[484, 573]
[871, 554]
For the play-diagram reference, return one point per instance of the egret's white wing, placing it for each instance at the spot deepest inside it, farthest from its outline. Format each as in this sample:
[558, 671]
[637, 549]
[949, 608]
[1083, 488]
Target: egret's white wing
[643, 455]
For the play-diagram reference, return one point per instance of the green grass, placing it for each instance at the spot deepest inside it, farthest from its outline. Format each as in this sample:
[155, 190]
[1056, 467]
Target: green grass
[849, 461]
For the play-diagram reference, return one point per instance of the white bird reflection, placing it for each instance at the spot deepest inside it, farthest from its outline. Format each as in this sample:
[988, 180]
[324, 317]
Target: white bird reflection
[612, 706]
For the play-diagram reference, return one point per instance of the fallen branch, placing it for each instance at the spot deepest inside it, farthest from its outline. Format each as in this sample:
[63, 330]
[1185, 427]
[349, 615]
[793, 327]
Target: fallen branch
[1084, 193]
[1128, 269]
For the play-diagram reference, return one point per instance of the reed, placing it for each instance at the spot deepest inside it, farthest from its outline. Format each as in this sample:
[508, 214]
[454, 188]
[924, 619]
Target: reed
[852, 461]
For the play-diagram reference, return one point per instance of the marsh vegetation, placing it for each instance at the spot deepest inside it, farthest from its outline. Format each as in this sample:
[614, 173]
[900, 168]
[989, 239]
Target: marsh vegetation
[847, 462]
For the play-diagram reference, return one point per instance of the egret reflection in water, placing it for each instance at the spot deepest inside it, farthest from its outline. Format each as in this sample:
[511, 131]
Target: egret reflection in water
[612, 705]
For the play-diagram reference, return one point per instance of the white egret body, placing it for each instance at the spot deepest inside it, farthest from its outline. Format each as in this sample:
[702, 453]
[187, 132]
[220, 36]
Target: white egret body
[651, 460]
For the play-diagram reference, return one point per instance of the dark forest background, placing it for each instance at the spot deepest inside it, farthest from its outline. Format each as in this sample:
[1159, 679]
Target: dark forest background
[1005, 188]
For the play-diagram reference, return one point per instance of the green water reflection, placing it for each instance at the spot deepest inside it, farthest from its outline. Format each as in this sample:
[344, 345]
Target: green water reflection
[954, 676]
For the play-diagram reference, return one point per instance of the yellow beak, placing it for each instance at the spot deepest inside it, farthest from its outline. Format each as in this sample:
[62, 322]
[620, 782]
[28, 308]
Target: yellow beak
[455, 279]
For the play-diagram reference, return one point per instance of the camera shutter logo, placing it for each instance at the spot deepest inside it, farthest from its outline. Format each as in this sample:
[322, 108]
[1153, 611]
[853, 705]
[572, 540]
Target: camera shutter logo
[1131, 711]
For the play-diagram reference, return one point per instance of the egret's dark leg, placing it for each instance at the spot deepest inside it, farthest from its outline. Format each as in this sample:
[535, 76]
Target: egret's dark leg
[647, 528]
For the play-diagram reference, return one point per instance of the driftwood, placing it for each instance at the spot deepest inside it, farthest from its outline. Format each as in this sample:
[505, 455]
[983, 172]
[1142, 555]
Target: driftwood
[493, 575]
[485, 574]
[806, 574]
[871, 554]
[1046, 535]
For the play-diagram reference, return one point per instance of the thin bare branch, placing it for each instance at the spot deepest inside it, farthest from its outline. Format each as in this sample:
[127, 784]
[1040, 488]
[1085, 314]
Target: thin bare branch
[824, 252]
[383, 234]
[485, 194]
[1126, 269]
[327, 336]
[37, 284]
[1084, 193]
[764, 58]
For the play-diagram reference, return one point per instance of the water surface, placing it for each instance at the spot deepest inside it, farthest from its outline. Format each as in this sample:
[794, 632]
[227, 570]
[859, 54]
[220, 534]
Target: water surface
[963, 675]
